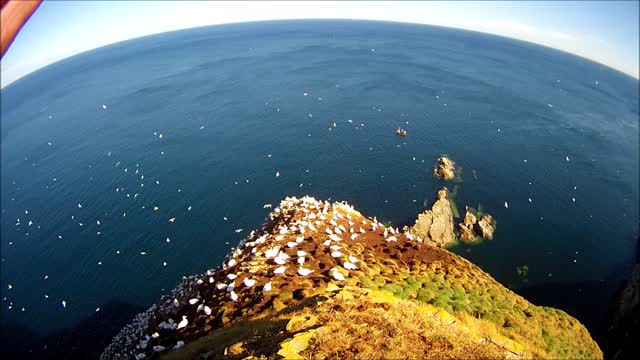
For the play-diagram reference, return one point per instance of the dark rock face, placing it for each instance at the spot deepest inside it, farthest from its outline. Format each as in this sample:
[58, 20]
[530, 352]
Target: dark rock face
[622, 335]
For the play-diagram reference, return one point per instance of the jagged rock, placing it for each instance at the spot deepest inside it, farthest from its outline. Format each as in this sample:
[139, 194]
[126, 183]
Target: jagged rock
[445, 168]
[435, 226]
[466, 227]
[470, 218]
[466, 233]
[487, 226]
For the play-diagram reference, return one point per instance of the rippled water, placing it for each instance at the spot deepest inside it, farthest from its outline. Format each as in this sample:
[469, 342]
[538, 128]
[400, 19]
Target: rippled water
[318, 102]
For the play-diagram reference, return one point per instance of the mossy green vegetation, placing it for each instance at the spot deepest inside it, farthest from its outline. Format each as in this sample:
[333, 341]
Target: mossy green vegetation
[522, 271]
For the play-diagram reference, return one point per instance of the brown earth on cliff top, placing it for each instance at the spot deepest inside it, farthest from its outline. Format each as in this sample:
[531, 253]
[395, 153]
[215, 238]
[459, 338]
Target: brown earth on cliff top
[317, 273]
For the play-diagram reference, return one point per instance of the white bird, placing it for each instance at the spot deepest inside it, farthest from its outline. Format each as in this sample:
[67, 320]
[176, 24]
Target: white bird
[304, 272]
[155, 208]
[266, 206]
[328, 231]
[301, 260]
[231, 276]
[362, 230]
[238, 230]
[183, 323]
[158, 348]
[300, 239]
[194, 301]
[301, 253]
[231, 262]
[326, 243]
[104, 107]
[292, 244]
[337, 275]
[567, 158]
[280, 270]
[221, 286]
[267, 287]
[249, 282]
[335, 238]
[354, 236]
[335, 247]
[349, 266]
[207, 310]
[277, 173]
[353, 259]
[79, 205]
[506, 205]
[336, 254]
[233, 295]
[392, 238]
[64, 304]
[188, 209]
[172, 220]
[272, 252]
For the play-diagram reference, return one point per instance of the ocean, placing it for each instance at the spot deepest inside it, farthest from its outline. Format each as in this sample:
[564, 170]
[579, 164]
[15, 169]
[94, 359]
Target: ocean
[205, 126]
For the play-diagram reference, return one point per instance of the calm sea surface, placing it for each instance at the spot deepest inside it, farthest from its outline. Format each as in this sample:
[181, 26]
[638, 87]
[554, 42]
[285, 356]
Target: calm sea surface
[198, 123]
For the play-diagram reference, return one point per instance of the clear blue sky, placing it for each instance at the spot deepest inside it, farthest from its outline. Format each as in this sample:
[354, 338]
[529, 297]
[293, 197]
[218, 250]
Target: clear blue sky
[606, 32]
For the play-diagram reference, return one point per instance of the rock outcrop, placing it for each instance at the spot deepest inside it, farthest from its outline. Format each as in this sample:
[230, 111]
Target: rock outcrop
[467, 233]
[445, 168]
[487, 226]
[435, 226]
[321, 280]
[471, 229]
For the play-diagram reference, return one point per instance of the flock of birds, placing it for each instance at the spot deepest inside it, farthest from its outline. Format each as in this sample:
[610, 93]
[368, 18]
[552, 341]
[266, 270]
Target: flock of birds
[26, 222]
[264, 261]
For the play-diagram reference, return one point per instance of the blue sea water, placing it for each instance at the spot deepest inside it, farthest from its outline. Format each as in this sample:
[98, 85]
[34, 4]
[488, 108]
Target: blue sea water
[318, 102]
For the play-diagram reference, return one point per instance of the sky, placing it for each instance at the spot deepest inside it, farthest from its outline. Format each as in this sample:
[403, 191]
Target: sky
[606, 32]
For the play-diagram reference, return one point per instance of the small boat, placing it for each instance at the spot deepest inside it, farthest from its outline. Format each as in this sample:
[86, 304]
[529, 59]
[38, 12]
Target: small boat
[401, 132]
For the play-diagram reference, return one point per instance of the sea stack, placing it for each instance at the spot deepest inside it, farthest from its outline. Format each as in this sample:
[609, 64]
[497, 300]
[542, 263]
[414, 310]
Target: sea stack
[445, 168]
[435, 226]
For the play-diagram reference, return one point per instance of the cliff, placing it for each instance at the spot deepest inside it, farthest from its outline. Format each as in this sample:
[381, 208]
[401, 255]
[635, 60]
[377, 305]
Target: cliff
[624, 327]
[322, 280]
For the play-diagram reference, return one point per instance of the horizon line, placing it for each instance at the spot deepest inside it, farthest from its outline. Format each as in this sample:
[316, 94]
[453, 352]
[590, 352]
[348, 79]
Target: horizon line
[633, 76]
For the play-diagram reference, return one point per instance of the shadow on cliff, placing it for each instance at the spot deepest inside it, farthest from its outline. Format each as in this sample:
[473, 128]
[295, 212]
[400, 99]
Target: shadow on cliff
[85, 340]
[586, 301]
[594, 303]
